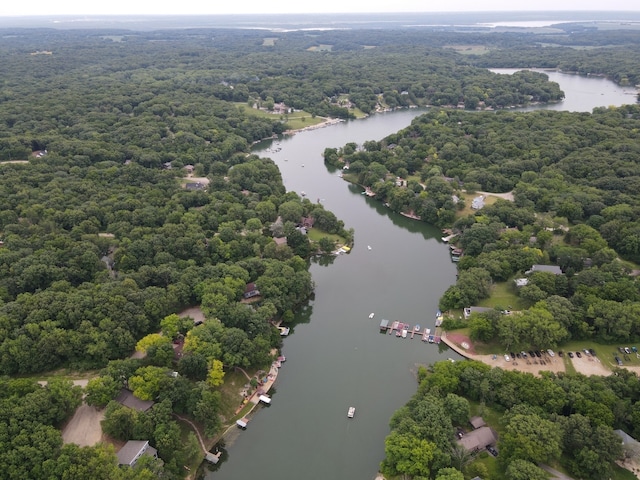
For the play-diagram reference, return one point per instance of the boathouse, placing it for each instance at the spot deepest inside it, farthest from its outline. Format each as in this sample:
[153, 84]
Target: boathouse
[384, 325]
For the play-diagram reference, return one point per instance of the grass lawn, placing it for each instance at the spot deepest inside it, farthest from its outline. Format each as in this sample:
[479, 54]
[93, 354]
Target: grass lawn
[504, 297]
[620, 473]
[469, 49]
[315, 235]
[468, 198]
[234, 382]
[295, 120]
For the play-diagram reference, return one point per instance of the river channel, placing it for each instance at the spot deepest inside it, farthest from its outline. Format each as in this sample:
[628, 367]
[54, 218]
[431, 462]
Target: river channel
[336, 356]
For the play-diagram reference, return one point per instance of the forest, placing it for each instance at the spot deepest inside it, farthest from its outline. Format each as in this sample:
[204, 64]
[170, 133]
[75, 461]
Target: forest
[566, 418]
[103, 238]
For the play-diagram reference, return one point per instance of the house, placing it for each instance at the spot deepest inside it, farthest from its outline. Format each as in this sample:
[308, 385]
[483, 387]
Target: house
[469, 310]
[521, 282]
[189, 169]
[128, 399]
[194, 186]
[478, 439]
[251, 291]
[280, 240]
[131, 452]
[307, 222]
[628, 441]
[477, 422]
[478, 202]
[545, 268]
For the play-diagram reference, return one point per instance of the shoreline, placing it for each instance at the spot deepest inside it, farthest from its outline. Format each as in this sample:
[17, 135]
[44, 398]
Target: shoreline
[586, 365]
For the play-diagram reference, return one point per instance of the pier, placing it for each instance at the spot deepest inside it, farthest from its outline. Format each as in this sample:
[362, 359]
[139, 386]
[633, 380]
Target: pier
[404, 330]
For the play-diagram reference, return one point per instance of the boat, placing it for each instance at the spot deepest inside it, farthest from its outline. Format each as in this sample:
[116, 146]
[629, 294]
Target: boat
[430, 338]
[368, 247]
[303, 193]
[425, 335]
[264, 399]
[351, 413]
[284, 331]
[416, 328]
[439, 318]
[242, 423]
[404, 332]
[395, 325]
[371, 315]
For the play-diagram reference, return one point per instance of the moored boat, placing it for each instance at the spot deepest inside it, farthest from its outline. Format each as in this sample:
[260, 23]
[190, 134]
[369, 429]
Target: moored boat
[351, 413]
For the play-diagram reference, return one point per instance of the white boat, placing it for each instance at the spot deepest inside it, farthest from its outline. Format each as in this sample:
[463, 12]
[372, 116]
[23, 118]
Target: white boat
[371, 315]
[264, 399]
[351, 413]
[368, 247]
[284, 331]
[404, 333]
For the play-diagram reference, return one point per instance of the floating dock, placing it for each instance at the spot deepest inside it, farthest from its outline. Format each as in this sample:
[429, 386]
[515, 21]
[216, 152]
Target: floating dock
[404, 330]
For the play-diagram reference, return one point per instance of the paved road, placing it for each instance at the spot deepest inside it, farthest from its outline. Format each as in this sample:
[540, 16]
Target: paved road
[556, 474]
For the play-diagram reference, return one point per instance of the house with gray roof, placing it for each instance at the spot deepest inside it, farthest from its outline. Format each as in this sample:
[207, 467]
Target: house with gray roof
[545, 268]
[128, 399]
[131, 452]
[478, 439]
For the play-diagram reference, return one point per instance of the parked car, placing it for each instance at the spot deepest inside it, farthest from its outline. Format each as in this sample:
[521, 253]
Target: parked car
[626, 350]
[570, 354]
[578, 354]
[561, 353]
[507, 358]
[550, 352]
[634, 349]
[592, 352]
[531, 354]
[618, 361]
[513, 355]
[538, 354]
[492, 450]
[621, 350]
[524, 354]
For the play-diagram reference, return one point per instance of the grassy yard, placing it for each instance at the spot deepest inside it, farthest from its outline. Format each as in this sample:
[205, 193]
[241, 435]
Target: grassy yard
[295, 120]
[503, 297]
[315, 235]
[469, 49]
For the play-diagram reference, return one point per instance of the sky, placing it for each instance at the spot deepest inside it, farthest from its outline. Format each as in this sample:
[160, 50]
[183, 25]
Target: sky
[215, 7]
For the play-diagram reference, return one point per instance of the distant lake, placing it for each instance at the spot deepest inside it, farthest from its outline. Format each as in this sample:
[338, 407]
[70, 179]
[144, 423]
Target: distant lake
[582, 93]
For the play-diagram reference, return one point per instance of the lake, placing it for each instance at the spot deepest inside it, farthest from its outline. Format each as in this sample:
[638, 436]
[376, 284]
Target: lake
[336, 357]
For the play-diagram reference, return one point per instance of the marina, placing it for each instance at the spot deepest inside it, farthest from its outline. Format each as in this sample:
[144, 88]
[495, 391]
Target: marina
[405, 330]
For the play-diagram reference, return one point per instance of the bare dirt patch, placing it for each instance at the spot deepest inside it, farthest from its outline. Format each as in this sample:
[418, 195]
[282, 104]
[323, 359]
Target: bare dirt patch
[193, 312]
[84, 428]
[589, 366]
